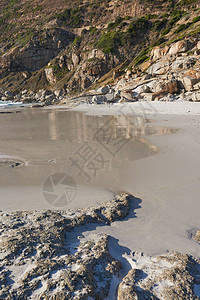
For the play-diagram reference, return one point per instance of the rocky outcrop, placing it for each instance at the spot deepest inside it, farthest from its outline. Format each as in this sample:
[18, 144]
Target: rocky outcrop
[170, 276]
[36, 246]
[36, 54]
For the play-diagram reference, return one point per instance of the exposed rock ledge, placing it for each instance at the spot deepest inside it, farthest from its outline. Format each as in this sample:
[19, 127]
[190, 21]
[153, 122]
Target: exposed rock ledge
[38, 261]
[172, 276]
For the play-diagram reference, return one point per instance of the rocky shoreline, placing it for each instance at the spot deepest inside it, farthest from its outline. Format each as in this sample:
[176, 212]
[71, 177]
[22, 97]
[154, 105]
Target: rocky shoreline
[38, 260]
[172, 73]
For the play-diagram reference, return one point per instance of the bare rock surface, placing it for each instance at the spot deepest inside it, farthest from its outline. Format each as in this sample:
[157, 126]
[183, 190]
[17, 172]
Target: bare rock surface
[170, 276]
[36, 261]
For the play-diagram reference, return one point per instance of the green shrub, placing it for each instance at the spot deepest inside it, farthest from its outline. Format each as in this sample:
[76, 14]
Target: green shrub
[159, 24]
[158, 42]
[77, 40]
[166, 31]
[188, 2]
[196, 19]
[182, 27]
[70, 17]
[150, 16]
[109, 41]
[113, 25]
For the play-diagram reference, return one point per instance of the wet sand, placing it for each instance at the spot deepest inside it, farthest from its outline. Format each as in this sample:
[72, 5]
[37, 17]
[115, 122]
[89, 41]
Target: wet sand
[95, 151]
[166, 184]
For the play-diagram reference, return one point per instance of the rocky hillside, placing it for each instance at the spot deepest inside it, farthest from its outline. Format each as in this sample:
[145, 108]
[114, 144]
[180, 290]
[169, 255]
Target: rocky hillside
[57, 45]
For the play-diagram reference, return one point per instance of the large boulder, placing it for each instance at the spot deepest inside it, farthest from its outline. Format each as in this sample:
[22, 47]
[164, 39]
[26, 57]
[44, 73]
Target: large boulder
[183, 63]
[98, 99]
[190, 79]
[103, 90]
[158, 52]
[96, 53]
[144, 88]
[159, 68]
[75, 59]
[50, 75]
[179, 47]
[195, 97]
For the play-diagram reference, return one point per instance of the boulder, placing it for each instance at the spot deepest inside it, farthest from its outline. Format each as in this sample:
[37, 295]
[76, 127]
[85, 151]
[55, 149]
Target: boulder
[128, 74]
[50, 97]
[171, 87]
[103, 90]
[96, 53]
[50, 75]
[117, 95]
[59, 93]
[3, 98]
[195, 97]
[110, 97]
[188, 83]
[147, 96]
[183, 63]
[75, 59]
[127, 96]
[190, 79]
[8, 94]
[159, 68]
[158, 52]
[196, 86]
[179, 47]
[24, 92]
[142, 89]
[98, 99]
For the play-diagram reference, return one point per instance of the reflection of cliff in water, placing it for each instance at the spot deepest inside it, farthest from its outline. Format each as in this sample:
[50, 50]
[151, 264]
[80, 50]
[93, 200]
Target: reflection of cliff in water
[76, 126]
[49, 140]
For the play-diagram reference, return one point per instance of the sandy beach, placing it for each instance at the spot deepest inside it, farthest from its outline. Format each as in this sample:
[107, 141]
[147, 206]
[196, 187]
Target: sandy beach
[167, 183]
[157, 163]
[160, 169]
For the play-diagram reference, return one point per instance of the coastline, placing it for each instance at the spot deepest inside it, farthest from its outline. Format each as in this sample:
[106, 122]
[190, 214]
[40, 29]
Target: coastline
[167, 182]
[165, 212]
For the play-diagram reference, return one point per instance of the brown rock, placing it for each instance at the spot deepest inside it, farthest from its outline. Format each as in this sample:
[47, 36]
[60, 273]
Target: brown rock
[158, 52]
[179, 47]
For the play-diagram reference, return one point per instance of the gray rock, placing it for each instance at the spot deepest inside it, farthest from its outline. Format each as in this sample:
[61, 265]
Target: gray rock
[50, 97]
[195, 97]
[159, 68]
[8, 95]
[38, 245]
[24, 92]
[59, 93]
[3, 98]
[144, 88]
[103, 90]
[147, 96]
[98, 99]
[169, 276]
[183, 63]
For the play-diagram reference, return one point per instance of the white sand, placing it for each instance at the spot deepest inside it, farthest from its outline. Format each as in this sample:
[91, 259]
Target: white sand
[167, 183]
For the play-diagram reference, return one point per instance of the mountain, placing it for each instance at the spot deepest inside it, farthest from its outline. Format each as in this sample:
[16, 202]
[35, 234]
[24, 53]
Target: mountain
[76, 45]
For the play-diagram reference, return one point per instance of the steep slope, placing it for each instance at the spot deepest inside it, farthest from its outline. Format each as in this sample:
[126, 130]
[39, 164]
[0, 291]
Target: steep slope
[62, 44]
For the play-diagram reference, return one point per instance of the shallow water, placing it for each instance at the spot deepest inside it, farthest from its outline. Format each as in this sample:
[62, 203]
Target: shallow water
[53, 158]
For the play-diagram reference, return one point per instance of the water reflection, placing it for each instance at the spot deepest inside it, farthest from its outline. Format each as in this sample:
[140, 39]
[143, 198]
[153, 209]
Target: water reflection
[93, 150]
[53, 131]
[51, 141]
[76, 126]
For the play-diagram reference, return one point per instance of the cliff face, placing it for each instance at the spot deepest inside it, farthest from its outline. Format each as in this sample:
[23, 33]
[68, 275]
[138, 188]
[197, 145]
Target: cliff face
[55, 44]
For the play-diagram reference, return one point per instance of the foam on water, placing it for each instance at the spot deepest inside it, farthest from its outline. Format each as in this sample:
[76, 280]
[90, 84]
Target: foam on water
[9, 103]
